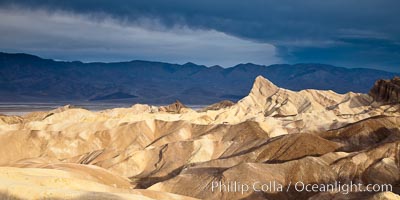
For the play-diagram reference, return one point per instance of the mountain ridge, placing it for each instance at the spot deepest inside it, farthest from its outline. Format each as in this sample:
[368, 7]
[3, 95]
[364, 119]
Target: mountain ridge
[25, 77]
[187, 63]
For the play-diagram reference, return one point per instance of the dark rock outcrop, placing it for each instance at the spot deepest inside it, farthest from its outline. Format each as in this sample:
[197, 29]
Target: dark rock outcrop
[387, 91]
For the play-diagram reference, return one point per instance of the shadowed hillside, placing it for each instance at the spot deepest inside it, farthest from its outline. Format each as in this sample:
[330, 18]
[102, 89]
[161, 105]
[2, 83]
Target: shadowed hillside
[29, 78]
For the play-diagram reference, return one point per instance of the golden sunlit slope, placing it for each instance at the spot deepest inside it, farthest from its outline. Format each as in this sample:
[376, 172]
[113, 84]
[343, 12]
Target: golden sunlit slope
[174, 152]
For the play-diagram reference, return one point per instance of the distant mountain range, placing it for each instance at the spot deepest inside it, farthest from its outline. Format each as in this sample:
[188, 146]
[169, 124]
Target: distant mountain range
[26, 77]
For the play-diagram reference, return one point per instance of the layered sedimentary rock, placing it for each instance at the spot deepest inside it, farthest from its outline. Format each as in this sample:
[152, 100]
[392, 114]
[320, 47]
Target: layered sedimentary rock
[173, 152]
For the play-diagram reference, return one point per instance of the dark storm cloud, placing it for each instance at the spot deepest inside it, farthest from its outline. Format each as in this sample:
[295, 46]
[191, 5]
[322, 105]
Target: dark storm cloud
[352, 33]
[350, 52]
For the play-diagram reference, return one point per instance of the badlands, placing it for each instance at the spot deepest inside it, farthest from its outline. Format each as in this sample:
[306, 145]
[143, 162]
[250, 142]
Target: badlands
[174, 152]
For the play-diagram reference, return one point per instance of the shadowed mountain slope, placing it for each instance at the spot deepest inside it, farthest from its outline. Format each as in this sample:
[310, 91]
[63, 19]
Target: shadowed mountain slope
[26, 77]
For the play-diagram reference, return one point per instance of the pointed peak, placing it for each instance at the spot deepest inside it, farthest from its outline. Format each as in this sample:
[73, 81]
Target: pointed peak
[261, 80]
[247, 65]
[263, 87]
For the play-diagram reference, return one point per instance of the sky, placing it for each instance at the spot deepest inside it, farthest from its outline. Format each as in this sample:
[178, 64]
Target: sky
[347, 33]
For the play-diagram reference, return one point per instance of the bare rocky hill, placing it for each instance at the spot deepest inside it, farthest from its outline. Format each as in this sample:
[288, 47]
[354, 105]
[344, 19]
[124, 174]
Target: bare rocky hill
[173, 152]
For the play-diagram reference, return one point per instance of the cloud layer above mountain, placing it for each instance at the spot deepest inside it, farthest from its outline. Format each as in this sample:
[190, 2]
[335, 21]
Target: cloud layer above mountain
[348, 33]
[68, 36]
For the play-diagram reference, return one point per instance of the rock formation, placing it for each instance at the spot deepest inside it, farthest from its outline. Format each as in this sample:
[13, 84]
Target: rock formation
[173, 152]
[175, 107]
[387, 91]
[217, 106]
